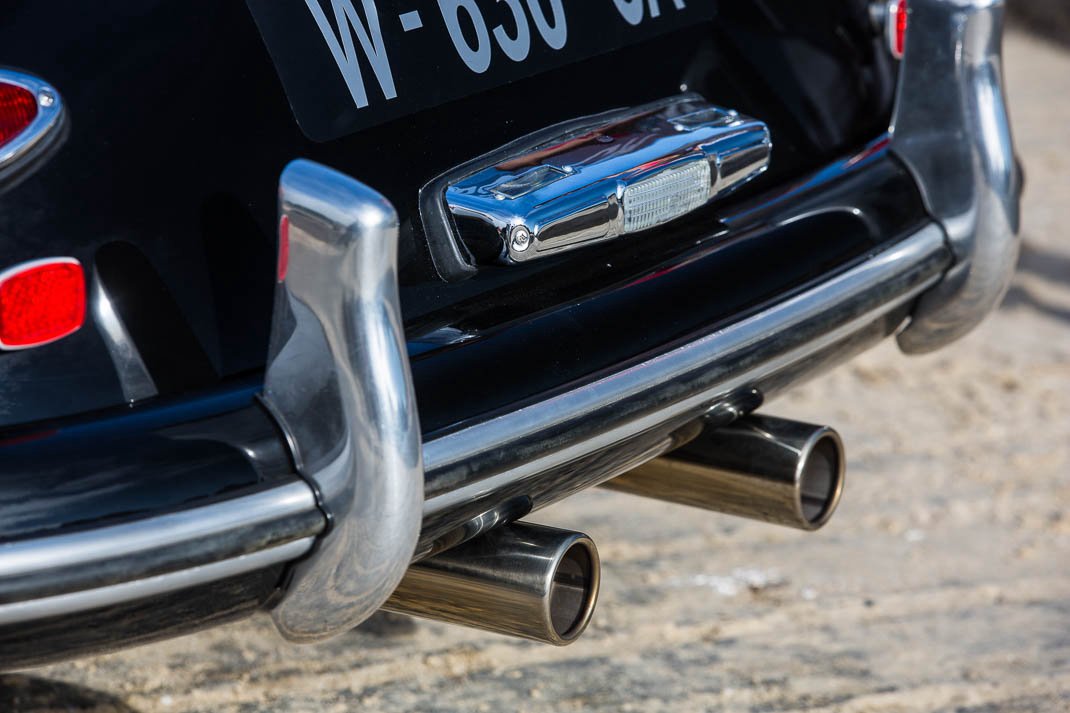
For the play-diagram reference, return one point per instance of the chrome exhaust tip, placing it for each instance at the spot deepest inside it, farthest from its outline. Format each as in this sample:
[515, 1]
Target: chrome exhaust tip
[524, 580]
[760, 467]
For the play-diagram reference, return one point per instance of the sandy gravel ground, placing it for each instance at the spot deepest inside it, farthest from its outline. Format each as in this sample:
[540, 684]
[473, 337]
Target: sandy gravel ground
[942, 585]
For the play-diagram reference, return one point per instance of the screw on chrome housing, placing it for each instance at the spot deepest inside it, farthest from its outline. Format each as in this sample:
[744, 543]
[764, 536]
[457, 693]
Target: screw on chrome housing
[520, 239]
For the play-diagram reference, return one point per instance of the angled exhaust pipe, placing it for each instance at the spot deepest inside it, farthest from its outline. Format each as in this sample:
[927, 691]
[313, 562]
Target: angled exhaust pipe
[770, 469]
[524, 580]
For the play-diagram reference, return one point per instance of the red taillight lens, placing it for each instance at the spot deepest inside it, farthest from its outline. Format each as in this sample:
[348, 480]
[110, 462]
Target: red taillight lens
[897, 24]
[40, 302]
[18, 109]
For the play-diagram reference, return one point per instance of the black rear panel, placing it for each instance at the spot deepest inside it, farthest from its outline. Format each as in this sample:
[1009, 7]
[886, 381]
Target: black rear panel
[180, 126]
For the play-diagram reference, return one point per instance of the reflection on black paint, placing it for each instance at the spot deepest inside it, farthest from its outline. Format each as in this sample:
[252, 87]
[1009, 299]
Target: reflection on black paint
[171, 352]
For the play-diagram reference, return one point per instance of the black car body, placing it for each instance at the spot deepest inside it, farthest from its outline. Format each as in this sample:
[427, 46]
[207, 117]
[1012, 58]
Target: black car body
[235, 428]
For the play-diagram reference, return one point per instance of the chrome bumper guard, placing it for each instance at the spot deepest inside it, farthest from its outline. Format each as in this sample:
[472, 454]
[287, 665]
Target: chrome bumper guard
[338, 383]
[952, 130]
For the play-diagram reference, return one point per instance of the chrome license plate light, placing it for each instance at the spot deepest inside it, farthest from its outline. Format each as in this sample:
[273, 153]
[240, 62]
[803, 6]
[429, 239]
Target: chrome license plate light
[602, 178]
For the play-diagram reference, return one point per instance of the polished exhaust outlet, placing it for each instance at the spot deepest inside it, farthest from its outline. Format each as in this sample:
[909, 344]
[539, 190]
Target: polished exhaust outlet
[764, 468]
[521, 579]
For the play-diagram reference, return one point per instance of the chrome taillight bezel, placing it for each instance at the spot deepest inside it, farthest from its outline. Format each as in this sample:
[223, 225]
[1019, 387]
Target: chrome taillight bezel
[40, 132]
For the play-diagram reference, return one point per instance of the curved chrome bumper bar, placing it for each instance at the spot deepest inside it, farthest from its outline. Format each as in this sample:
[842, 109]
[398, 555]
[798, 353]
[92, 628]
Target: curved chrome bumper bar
[70, 573]
[952, 130]
[501, 469]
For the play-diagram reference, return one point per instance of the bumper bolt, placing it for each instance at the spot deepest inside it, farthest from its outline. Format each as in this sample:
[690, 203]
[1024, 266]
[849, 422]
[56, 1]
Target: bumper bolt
[520, 239]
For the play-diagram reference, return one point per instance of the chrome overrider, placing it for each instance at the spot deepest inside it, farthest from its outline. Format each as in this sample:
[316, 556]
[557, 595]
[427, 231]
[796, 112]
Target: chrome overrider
[952, 130]
[338, 383]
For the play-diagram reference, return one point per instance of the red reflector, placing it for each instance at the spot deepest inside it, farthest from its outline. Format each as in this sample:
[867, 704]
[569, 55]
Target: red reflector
[18, 109]
[897, 22]
[284, 248]
[40, 302]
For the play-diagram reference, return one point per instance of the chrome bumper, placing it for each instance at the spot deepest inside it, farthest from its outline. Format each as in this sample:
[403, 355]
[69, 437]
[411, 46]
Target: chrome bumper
[67, 574]
[339, 383]
[952, 130]
[360, 517]
[374, 498]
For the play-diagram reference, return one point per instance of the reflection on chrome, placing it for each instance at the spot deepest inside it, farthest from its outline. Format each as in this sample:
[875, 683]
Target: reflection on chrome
[134, 377]
[524, 580]
[769, 469]
[604, 177]
[338, 384]
[952, 130]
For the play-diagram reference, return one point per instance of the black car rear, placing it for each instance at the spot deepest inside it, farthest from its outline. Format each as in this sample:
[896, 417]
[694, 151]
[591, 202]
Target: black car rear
[316, 298]
[180, 125]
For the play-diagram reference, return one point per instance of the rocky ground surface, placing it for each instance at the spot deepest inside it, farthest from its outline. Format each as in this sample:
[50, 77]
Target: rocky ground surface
[942, 585]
